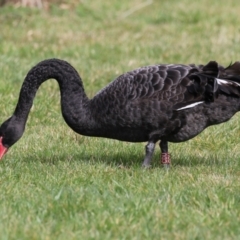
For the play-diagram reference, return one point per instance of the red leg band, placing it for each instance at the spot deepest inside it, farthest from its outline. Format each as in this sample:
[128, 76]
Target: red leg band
[165, 159]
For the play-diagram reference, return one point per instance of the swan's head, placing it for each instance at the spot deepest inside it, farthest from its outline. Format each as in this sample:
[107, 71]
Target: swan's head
[10, 132]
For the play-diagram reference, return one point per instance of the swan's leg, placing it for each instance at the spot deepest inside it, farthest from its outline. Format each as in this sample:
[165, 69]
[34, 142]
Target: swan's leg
[165, 158]
[149, 152]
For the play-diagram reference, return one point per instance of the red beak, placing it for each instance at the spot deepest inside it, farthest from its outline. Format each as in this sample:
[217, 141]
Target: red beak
[3, 149]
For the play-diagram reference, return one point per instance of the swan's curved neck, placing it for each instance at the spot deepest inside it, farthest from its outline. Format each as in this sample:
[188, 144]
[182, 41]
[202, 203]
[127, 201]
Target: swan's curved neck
[74, 102]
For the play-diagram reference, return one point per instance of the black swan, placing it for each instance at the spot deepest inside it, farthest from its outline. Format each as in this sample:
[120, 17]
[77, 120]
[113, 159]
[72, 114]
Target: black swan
[166, 102]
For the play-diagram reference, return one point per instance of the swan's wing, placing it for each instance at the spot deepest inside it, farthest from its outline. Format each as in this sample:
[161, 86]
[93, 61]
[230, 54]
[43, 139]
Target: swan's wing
[172, 83]
[151, 93]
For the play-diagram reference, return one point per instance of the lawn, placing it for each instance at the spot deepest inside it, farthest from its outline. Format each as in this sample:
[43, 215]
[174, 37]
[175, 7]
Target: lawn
[56, 184]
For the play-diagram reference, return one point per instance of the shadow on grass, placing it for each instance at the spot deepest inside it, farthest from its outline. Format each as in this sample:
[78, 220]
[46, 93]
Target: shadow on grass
[126, 160]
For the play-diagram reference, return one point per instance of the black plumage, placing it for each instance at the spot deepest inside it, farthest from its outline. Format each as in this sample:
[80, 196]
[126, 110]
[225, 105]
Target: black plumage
[166, 102]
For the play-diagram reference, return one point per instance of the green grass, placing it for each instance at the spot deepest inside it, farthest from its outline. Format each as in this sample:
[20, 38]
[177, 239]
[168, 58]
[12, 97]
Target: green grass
[59, 185]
